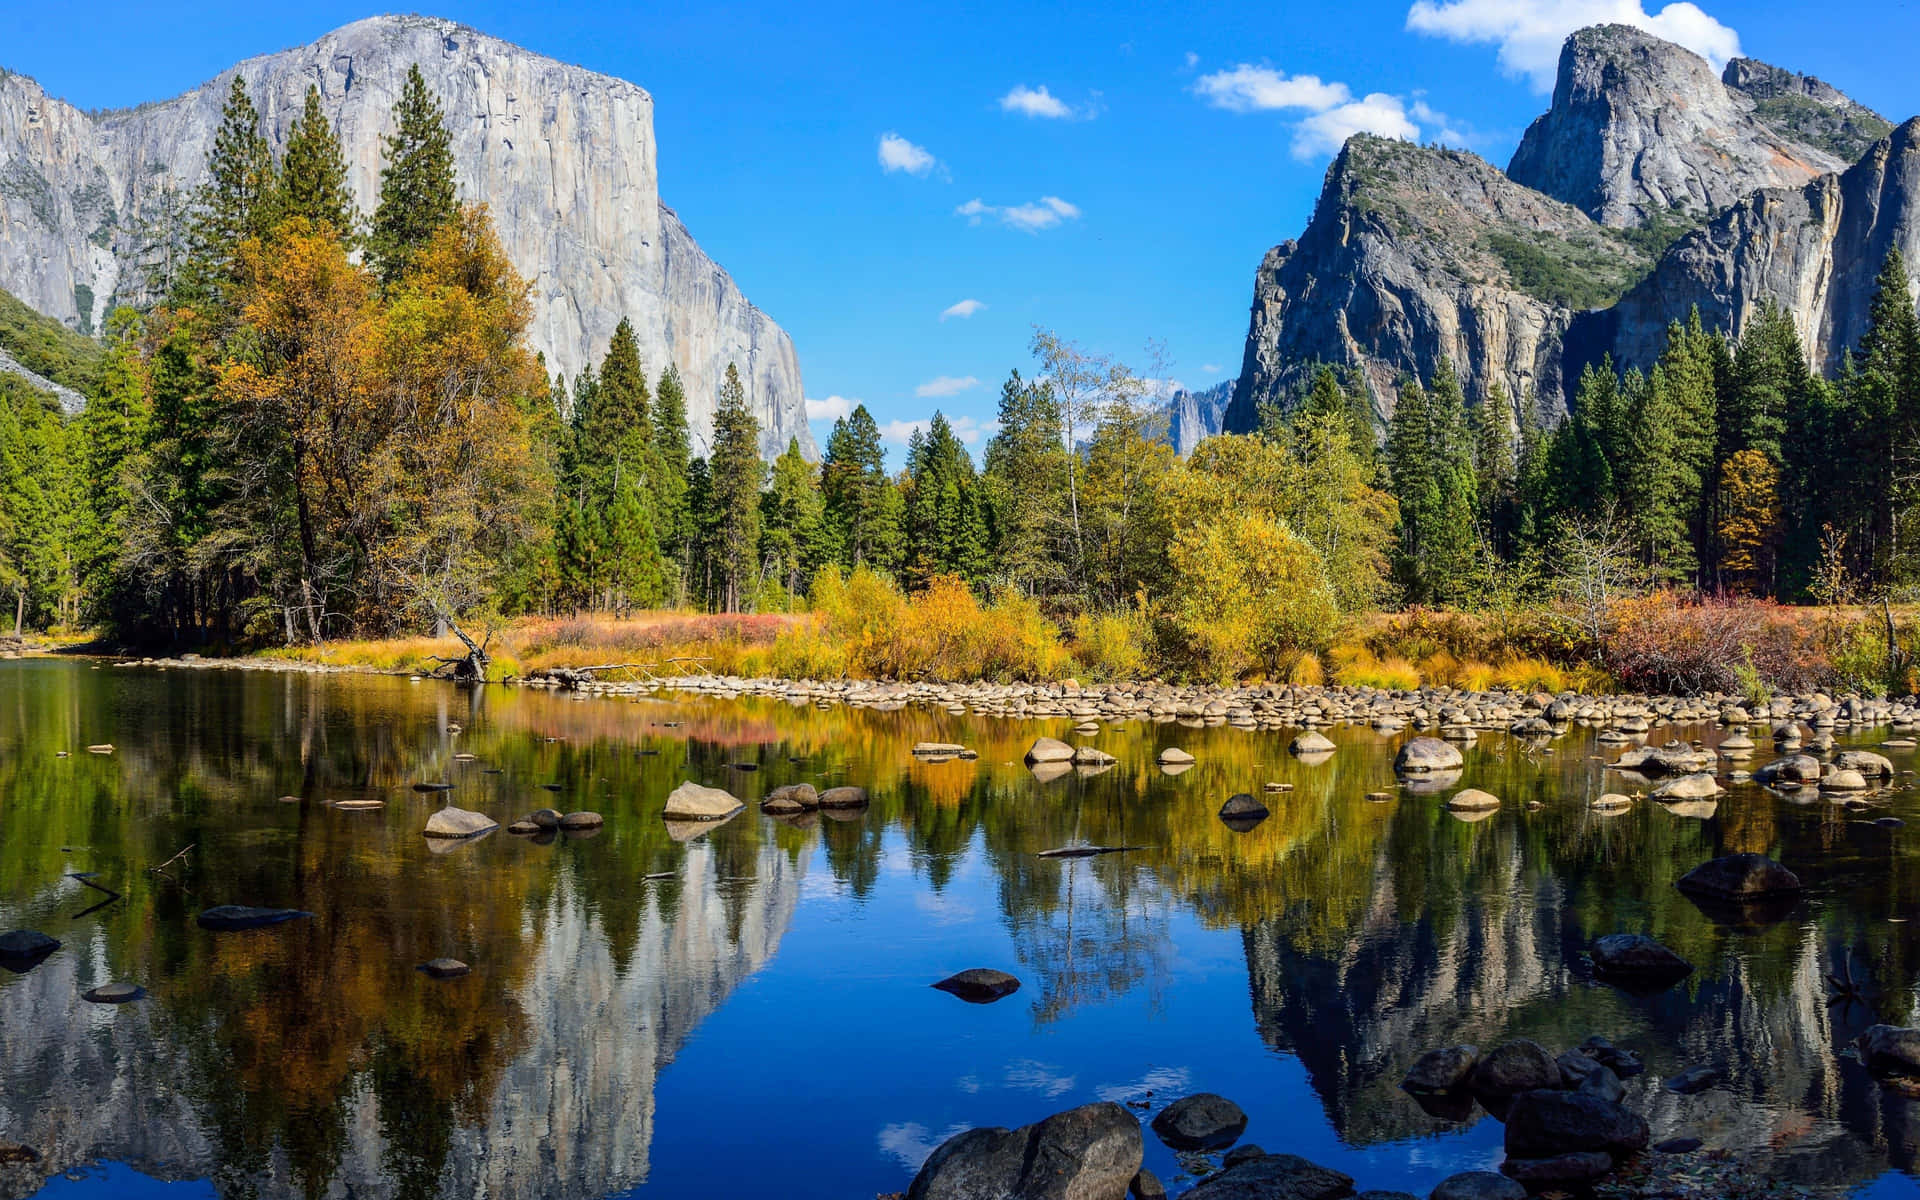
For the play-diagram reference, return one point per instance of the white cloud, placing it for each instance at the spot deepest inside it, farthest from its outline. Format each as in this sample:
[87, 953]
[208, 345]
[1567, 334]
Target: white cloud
[1027, 218]
[946, 385]
[968, 429]
[830, 409]
[1331, 114]
[1210, 368]
[1036, 102]
[899, 154]
[1247, 88]
[912, 1144]
[1529, 33]
[963, 310]
[1325, 132]
[1192, 60]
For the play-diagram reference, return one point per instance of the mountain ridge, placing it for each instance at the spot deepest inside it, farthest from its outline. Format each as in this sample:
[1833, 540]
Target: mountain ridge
[565, 159]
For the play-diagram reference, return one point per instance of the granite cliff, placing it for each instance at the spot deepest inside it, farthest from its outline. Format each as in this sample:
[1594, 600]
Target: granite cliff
[564, 158]
[1650, 185]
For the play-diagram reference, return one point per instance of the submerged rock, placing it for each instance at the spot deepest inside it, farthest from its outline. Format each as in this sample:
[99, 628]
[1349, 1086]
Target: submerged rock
[1635, 956]
[24, 949]
[1087, 1153]
[444, 968]
[115, 993]
[980, 985]
[1203, 1121]
[230, 918]
[694, 802]
[1693, 1080]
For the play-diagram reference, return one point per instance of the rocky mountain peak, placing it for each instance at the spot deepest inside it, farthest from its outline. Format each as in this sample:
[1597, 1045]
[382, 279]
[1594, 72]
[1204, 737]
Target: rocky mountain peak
[564, 158]
[1642, 130]
[1807, 109]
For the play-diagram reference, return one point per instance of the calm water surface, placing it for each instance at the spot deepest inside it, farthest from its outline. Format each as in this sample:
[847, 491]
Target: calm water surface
[760, 1022]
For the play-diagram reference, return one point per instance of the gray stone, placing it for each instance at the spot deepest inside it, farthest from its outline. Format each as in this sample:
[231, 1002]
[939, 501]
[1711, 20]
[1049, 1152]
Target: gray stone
[1890, 1050]
[1561, 1170]
[1274, 1177]
[580, 822]
[1477, 1185]
[1049, 750]
[1740, 877]
[581, 217]
[1635, 954]
[1174, 756]
[695, 802]
[980, 985]
[1472, 800]
[1147, 1186]
[445, 968]
[115, 993]
[545, 818]
[844, 797]
[1312, 742]
[1423, 754]
[451, 822]
[1243, 807]
[1701, 786]
[1514, 1067]
[26, 945]
[1444, 1070]
[1203, 1121]
[791, 798]
[1087, 1153]
[1546, 1124]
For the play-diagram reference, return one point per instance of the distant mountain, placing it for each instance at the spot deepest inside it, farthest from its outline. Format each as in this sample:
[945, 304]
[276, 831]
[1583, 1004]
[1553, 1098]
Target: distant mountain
[1195, 416]
[1650, 184]
[565, 159]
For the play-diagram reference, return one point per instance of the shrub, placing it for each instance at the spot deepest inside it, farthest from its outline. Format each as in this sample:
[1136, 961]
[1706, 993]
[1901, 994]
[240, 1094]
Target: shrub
[1112, 646]
[1659, 643]
[1249, 593]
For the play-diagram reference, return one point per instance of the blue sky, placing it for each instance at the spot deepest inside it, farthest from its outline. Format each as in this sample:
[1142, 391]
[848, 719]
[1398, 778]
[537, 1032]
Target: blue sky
[1113, 171]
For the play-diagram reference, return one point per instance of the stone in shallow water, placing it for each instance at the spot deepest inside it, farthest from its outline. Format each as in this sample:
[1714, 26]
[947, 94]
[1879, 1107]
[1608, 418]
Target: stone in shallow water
[1310, 743]
[451, 822]
[693, 802]
[979, 985]
[1693, 1080]
[844, 797]
[1444, 1070]
[1175, 756]
[1740, 877]
[1514, 1067]
[1147, 1186]
[1049, 750]
[115, 993]
[230, 918]
[1477, 1185]
[1565, 1170]
[1424, 754]
[580, 822]
[444, 968]
[1274, 1175]
[523, 828]
[1548, 1124]
[1243, 808]
[1473, 800]
[1203, 1121]
[545, 818]
[1637, 956]
[1093, 1151]
[23, 949]
[790, 799]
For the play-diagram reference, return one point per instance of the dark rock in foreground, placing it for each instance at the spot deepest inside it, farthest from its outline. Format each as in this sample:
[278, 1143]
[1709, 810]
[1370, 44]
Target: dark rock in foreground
[1203, 1121]
[1890, 1050]
[1547, 1124]
[1573, 1169]
[1444, 1070]
[1514, 1067]
[980, 985]
[1087, 1153]
[1285, 1176]
[24, 949]
[230, 918]
[1477, 1185]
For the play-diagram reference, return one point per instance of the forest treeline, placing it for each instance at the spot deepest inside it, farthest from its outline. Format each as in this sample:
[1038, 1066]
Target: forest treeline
[330, 425]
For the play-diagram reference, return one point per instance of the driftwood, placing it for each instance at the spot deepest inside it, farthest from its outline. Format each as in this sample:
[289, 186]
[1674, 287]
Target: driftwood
[470, 666]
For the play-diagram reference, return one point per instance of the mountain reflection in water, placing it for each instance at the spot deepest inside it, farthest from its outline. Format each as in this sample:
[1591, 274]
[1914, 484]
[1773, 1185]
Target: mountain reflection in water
[760, 1021]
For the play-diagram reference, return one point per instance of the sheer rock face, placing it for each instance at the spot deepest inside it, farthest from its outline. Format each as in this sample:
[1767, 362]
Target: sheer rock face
[1416, 254]
[1642, 128]
[1193, 417]
[1812, 250]
[564, 159]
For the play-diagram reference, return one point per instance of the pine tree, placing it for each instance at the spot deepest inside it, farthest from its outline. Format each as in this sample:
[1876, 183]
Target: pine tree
[237, 202]
[1883, 404]
[737, 474]
[1025, 487]
[861, 516]
[313, 177]
[792, 517]
[613, 428]
[113, 428]
[1494, 464]
[635, 572]
[417, 190]
[672, 451]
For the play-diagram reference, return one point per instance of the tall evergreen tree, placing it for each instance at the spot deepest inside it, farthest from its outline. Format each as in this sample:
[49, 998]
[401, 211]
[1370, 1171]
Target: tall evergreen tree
[313, 176]
[862, 514]
[792, 522]
[737, 473]
[673, 452]
[1025, 487]
[238, 200]
[417, 190]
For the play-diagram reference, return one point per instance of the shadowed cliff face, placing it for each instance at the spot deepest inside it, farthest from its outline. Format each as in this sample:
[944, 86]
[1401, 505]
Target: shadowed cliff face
[564, 159]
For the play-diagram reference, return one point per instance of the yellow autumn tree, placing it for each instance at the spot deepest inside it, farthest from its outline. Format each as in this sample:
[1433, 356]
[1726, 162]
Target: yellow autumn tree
[1749, 526]
[1248, 592]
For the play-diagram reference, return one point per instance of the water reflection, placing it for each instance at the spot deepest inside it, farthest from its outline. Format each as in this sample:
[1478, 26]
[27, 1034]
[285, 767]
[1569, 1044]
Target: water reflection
[314, 1060]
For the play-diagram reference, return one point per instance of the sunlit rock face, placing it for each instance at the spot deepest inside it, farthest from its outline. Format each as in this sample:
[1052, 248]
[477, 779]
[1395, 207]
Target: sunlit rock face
[571, 1114]
[563, 157]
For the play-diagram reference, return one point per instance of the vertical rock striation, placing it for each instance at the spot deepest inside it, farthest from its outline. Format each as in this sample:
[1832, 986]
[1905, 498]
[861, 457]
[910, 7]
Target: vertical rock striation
[563, 157]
